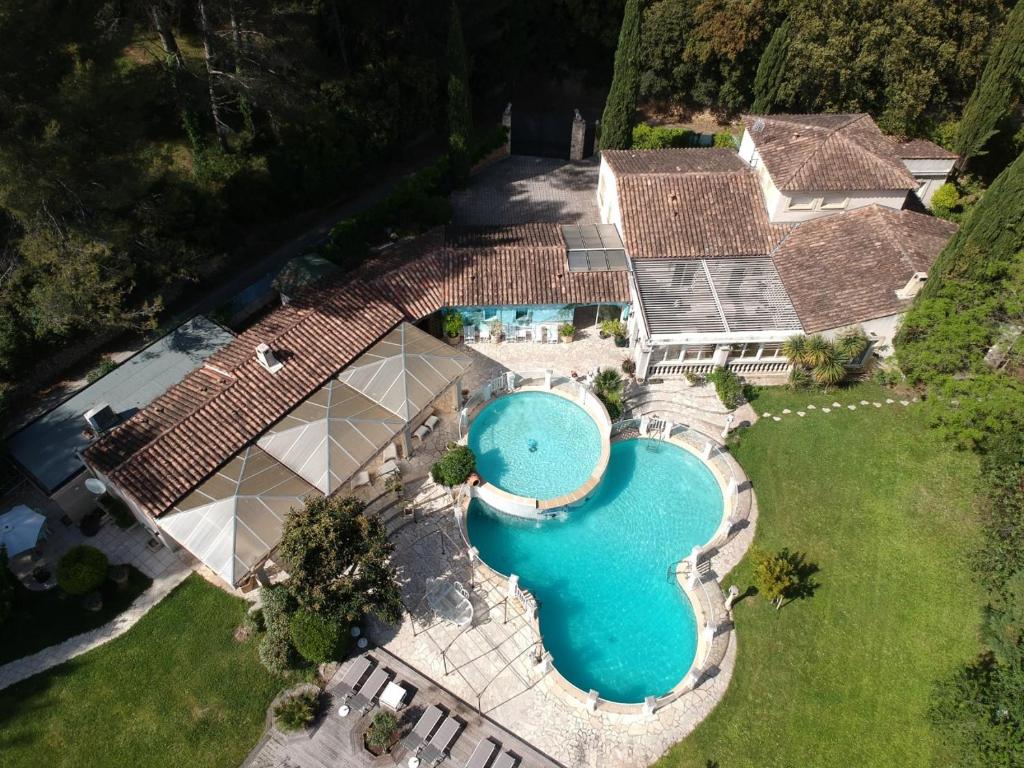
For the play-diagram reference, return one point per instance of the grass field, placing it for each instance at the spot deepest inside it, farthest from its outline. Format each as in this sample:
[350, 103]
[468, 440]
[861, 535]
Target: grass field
[843, 678]
[175, 690]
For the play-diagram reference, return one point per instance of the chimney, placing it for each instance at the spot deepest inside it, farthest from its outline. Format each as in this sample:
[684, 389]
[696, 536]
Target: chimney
[266, 358]
[101, 418]
[913, 286]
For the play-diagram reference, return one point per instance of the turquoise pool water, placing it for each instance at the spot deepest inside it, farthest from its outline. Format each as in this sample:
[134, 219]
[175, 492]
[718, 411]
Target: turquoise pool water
[609, 613]
[535, 444]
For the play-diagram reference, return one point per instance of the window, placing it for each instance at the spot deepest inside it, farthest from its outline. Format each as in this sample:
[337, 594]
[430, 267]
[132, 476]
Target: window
[801, 203]
[524, 316]
[705, 352]
[608, 312]
[744, 350]
[771, 350]
[834, 202]
[669, 354]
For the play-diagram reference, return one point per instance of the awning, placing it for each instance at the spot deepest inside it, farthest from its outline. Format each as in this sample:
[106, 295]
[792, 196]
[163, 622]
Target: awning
[20, 528]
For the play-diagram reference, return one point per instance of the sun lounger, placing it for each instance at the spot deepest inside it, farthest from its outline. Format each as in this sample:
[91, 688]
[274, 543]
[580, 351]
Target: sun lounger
[389, 467]
[435, 750]
[360, 479]
[504, 760]
[432, 421]
[424, 727]
[350, 681]
[390, 453]
[421, 431]
[367, 695]
[482, 754]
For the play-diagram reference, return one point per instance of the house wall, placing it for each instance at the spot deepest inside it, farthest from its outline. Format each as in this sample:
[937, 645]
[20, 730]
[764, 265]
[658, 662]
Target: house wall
[932, 174]
[608, 197]
[881, 331]
[777, 202]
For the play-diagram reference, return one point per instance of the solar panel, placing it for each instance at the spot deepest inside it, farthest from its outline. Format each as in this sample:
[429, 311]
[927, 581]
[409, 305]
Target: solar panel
[594, 248]
[598, 261]
[578, 261]
[616, 259]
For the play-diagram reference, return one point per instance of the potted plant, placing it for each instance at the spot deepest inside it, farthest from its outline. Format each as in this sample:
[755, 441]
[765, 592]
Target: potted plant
[382, 734]
[496, 330]
[566, 331]
[452, 327]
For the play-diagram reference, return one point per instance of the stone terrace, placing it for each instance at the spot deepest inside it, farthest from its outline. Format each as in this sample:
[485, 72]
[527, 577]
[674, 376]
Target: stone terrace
[526, 190]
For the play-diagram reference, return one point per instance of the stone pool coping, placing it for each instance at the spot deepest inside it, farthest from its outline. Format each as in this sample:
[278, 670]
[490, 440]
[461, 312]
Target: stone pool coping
[524, 506]
[715, 651]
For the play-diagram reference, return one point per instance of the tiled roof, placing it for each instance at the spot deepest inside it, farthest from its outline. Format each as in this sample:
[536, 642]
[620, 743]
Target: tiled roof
[922, 149]
[846, 268]
[696, 215]
[168, 448]
[626, 162]
[806, 153]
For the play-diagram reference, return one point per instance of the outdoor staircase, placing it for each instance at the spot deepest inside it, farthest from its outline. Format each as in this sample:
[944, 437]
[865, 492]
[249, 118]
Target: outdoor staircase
[675, 400]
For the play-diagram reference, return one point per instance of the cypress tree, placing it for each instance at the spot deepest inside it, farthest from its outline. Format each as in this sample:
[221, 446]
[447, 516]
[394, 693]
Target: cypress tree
[620, 108]
[997, 90]
[460, 121]
[770, 71]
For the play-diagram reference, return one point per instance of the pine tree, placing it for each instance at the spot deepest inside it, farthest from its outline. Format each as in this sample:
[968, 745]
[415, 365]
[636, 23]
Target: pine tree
[997, 90]
[770, 71]
[460, 121]
[620, 108]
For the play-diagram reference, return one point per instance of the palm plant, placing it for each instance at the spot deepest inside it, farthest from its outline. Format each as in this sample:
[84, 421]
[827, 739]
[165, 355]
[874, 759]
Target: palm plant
[830, 368]
[817, 350]
[799, 377]
[608, 386]
[794, 347]
[851, 344]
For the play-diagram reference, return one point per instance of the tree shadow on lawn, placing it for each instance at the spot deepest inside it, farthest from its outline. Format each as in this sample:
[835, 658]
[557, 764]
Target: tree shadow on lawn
[806, 585]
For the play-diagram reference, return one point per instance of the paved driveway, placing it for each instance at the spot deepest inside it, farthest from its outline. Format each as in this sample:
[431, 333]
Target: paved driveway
[526, 190]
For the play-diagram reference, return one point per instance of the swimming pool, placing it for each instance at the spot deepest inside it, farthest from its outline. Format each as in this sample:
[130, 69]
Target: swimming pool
[535, 444]
[611, 612]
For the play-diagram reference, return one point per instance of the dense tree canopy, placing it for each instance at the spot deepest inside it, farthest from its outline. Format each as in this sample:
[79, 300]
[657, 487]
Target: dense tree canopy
[620, 109]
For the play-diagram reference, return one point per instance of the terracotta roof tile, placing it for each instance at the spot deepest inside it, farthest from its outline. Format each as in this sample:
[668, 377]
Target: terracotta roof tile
[626, 162]
[922, 149]
[696, 215]
[807, 153]
[846, 269]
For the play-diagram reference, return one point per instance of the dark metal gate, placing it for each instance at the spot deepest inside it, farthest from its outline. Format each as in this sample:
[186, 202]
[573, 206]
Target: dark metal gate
[542, 134]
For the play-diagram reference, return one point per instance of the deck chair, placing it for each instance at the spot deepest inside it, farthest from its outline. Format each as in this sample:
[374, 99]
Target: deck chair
[347, 687]
[391, 452]
[432, 421]
[421, 432]
[360, 479]
[435, 750]
[469, 333]
[504, 760]
[482, 754]
[424, 727]
[370, 690]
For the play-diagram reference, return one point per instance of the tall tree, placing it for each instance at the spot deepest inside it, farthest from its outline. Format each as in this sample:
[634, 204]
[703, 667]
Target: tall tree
[620, 108]
[998, 89]
[460, 120]
[219, 126]
[158, 15]
[771, 72]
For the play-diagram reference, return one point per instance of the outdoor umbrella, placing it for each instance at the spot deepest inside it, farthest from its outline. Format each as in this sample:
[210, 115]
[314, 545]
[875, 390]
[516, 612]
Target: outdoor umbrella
[20, 528]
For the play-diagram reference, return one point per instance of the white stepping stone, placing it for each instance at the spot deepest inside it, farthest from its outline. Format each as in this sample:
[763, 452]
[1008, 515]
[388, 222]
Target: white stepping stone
[889, 401]
[810, 408]
[776, 418]
[877, 405]
[852, 407]
[864, 402]
[765, 415]
[904, 402]
[800, 413]
[837, 405]
[826, 410]
[785, 411]
[914, 400]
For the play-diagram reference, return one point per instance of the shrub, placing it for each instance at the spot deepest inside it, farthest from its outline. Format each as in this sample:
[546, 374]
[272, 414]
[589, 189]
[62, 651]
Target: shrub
[945, 200]
[118, 510]
[629, 366]
[609, 386]
[82, 570]
[774, 576]
[105, 366]
[725, 140]
[615, 328]
[452, 324]
[381, 730]
[568, 330]
[278, 605]
[276, 652]
[728, 387]
[293, 713]
[394, 485]
[799, 378]
[316, 638]
[455, 467]
[254, 622]
[661, 137]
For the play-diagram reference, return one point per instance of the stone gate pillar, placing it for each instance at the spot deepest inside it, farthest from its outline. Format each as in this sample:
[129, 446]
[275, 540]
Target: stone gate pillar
[579, 132]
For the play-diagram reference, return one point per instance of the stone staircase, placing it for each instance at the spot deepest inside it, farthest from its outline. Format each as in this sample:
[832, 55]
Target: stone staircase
[675, 400]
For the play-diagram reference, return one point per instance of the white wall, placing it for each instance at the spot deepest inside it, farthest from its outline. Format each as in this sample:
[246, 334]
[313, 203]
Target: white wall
[881, 330]
[608, 197]
[932, 174]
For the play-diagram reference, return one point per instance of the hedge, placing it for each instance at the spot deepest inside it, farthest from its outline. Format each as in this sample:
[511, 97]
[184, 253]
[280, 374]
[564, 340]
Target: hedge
[82, 570]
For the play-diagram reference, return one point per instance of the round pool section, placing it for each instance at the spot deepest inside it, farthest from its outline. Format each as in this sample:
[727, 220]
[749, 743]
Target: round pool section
[611, 612]
[535, 444]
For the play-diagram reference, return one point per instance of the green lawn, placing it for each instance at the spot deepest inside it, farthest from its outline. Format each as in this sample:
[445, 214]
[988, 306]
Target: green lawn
[175, 690]
[843, 678]
[42, 619]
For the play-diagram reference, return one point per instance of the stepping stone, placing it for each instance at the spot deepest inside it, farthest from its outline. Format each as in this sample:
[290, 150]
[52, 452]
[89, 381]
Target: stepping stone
[889, 401]
[837, 405]
[776, 418]
[800, 413]
[864, 402]
[810, 407]
[765, 415]
[877, 405]
[904, 402]
[852, 407]
[826, 410]
[785, 411]
[914, 400]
